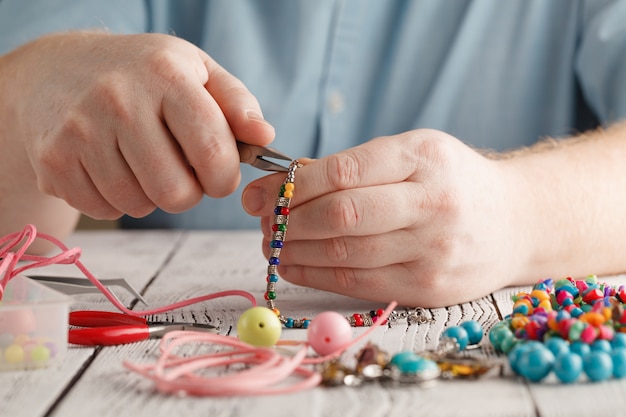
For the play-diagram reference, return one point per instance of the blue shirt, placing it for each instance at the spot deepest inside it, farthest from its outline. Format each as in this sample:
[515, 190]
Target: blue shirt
[331, 74]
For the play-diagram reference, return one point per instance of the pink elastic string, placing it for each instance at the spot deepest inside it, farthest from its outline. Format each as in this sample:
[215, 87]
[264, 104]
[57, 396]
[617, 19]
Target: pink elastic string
[253, 370]
[13, 249]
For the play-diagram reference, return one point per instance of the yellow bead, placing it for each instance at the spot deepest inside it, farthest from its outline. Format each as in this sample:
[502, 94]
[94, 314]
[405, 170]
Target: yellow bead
[290, 186]
[259, 326]
[546, 305]
[519, 322]
[14, 354]
[288, 194]
[540, 295]
[40, 353]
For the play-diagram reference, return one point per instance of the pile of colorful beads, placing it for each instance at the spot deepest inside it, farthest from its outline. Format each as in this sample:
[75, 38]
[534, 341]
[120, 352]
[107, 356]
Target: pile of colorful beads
[567, 327]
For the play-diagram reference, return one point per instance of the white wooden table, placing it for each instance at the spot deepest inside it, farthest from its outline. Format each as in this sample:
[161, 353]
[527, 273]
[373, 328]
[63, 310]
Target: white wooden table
[171, 265]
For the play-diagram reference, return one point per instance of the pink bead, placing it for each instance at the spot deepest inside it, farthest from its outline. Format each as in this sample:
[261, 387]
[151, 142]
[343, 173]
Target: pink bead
[562, 296]
[588, 335]
[328, 332]
[581, 285]
[606, 333]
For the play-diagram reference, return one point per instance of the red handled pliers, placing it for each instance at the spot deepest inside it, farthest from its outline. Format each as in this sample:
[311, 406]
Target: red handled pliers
[105, 328]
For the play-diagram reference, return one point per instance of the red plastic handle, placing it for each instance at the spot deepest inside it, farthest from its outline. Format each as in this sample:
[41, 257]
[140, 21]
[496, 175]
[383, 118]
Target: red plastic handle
[103, 319]
[108, 336]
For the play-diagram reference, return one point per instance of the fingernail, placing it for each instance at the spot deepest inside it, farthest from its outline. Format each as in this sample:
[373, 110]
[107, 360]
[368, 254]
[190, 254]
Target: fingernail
[253, 199]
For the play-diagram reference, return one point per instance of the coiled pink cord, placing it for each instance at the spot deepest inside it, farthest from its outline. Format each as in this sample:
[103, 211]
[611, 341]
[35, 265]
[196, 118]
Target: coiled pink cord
[243, 369]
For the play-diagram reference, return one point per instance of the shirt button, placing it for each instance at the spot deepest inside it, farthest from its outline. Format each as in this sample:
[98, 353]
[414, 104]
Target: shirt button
[335, 103]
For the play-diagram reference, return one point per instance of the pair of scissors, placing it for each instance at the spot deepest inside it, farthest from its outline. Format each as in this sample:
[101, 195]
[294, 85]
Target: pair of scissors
[256, 156]
[105, 328]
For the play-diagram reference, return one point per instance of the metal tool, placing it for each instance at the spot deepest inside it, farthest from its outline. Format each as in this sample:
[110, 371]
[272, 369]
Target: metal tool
[105, 328]
[76, 285]
[256, 156]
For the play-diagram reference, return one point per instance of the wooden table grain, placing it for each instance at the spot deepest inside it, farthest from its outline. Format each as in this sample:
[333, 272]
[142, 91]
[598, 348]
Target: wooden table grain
[172, 265]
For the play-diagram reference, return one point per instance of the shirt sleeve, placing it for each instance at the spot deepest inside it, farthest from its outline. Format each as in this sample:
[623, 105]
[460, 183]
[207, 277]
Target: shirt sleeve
[601, 60]
[22, 21]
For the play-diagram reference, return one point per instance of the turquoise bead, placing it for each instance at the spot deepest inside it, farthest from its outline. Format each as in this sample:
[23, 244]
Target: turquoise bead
[498, 333]
[619, 340]
[411, 363]
[536, 363]
[598, 365]
[557, 345]
[580, 348]
[567, 367]
[474, 331]
[508, 343]
[514, 355]
[459, 334]
[601, 345]
[618, 356]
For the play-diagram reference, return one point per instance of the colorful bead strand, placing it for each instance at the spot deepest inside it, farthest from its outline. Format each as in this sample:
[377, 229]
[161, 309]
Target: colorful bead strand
[279, 232]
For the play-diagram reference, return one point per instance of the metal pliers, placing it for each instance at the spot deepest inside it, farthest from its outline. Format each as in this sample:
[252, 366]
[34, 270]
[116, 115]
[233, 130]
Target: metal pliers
[255, 155]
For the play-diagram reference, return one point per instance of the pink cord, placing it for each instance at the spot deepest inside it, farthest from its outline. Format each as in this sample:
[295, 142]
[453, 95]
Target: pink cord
[242, 369]
[21, 241]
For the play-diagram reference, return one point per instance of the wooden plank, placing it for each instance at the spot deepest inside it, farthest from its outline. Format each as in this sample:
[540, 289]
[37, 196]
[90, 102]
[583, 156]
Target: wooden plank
[213, 261]
[135, 256]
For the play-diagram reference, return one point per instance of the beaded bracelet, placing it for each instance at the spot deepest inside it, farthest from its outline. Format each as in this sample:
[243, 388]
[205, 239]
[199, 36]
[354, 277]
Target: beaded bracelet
[279, 231]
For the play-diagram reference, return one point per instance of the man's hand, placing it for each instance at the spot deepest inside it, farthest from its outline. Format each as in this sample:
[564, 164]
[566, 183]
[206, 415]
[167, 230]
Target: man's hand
[419, 218]
[124, 124]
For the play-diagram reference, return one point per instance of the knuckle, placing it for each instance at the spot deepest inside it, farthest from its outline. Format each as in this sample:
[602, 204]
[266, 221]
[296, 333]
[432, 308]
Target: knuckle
[111, 91]
[337, 250]
[210, 153]
[344, 170]
[75, 127]
[172, 197]
[343, 214]
[346, 280]
[141, 210]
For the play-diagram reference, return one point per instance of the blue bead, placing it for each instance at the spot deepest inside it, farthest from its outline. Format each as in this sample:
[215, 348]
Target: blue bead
[618, 356]
[536, 363]
[411, 363]
[601, 345]
[619, 340]
[276, 244]
[305, 323]
[459, 334]
[580, 348]
[514, 355]
[568, 367]
[289, 322]
[498, 333]
[598, 365]
[274, 260]
[557, 345]
[273, 278]
[474, 331]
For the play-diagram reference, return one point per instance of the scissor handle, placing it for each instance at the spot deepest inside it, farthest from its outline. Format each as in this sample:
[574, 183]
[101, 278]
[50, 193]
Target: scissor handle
[109, 336]
[88, 318]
